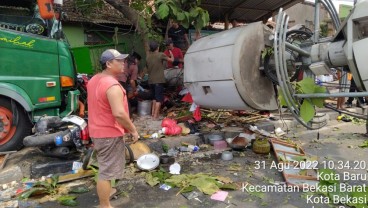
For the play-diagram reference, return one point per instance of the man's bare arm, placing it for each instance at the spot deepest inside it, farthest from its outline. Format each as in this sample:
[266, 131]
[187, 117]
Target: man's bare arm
[115, 97]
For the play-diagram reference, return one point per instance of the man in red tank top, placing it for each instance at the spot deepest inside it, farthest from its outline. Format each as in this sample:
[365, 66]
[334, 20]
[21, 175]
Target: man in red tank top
[108, 121]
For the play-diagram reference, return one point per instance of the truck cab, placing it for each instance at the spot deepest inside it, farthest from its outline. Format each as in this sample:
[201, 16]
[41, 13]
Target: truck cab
[37, 72]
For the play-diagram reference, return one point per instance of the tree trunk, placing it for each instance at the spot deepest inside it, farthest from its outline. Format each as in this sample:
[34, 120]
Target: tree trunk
[167, 29]
[134, 17]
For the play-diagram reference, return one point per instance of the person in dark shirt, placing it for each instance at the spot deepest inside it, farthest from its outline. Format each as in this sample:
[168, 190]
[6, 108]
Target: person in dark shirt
[179, 35]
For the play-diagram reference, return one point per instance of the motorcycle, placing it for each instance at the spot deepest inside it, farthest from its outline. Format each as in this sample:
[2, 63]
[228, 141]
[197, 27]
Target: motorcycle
[60, 137]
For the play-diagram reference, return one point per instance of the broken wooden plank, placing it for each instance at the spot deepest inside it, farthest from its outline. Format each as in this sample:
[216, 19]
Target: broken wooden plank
[75, 176]
[4, 157]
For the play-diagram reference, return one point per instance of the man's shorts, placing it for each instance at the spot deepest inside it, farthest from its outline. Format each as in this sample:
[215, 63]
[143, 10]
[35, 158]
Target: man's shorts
[110, 157]
[158, 92]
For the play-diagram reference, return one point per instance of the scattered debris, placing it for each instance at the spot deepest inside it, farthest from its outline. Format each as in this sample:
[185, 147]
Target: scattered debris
[193, 195]
[234, 167]
[68, 201]
[364, 145]
[205, 183]
[4, 157]
[220, 196]
[292, 161]
[42, 187]
[279, 132]
[165, 187]
[75, 176]
[175, 169]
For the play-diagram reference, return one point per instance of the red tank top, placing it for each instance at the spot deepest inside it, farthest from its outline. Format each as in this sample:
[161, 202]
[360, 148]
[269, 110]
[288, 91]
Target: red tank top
[101, 122]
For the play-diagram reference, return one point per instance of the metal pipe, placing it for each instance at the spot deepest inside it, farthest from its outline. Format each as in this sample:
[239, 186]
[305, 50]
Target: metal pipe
[297, 49]
[278, 51]
[282, 64]
[284, 71]
[332, 11]
[279, 46]
[345, 112]
[335, 15]
[317, 7]
[326, 95]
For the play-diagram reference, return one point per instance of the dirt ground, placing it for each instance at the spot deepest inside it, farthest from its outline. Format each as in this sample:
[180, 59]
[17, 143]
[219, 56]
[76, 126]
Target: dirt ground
[337, 141]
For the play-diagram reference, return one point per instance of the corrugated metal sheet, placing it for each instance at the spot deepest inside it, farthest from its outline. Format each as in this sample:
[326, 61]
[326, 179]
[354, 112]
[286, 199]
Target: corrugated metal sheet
[106, 14]
[245, 10]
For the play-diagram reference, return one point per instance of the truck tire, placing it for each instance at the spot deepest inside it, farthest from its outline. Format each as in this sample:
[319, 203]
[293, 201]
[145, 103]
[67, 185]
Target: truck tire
[14, 125]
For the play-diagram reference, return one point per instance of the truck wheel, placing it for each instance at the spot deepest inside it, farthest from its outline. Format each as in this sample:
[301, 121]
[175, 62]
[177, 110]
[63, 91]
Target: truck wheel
[14, 126]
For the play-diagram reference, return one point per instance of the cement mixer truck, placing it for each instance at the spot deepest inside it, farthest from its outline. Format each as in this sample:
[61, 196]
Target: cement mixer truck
[233, 70]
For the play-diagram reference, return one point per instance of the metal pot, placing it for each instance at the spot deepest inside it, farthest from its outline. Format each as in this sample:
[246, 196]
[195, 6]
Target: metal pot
[144, 107]
[214, 137]
[226, 155]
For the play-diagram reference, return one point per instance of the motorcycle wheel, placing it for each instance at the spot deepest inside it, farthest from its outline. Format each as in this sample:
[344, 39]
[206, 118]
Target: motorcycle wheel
[86, 158]
[130, 152]
[14, 125]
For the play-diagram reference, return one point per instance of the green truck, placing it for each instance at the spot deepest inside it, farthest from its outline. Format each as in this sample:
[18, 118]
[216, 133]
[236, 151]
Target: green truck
[37, 74]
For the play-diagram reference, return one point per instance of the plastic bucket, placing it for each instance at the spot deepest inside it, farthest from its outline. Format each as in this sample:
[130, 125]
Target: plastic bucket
[144, 107]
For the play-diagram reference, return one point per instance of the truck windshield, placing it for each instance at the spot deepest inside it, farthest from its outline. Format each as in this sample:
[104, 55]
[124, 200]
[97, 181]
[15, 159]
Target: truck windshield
[29, 21]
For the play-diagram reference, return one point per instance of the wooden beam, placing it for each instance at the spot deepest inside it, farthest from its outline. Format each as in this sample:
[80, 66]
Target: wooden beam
[203, 5]
[285, 6]
[231, 10]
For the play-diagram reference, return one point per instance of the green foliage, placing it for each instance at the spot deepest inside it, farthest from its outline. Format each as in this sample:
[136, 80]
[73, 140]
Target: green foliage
[156, 177]
[328, 172]
[42, 187]
[25, 179]
[334, 185]
[361, 195]
[188, 182]
[163, 11]
[68, 201]
[185, 12]
[323, 30]
[151, 180]
[205, 184]
[267, 51]
[256, 194]
[307, 111]
[32, 191]
[95, 172]
[306, 86]
[165, 148]
[364, 145]
[142, 6]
